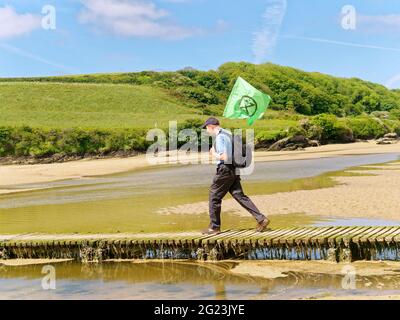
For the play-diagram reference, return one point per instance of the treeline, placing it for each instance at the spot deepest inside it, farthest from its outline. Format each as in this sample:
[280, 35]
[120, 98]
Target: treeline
[327, 128]
[28, 142]
[306, 93]
[326, 108]
[39, 143]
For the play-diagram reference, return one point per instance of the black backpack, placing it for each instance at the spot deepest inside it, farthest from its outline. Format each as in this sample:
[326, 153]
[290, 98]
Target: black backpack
[242, 153]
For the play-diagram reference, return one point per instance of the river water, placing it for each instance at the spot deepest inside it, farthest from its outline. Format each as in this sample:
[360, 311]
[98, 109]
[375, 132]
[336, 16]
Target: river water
[127, 203]
[179, 280]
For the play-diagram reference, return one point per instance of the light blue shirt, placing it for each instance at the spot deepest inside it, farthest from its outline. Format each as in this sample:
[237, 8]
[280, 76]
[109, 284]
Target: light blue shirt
[223, 143]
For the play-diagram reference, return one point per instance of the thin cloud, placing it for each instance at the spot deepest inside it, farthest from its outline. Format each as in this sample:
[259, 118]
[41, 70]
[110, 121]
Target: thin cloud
[264, 41]
[342, 43]
[176, 1]
[13, 24]
[33, 57]
[393, 82]
[132, 18]
[221, 26]
[379, 23]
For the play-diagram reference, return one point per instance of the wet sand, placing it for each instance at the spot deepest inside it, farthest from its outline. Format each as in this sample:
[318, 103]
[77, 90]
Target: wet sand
[13, 175]
[279, 268]
[29, 262]
[358, 297]
[375, 196]
[366, 271]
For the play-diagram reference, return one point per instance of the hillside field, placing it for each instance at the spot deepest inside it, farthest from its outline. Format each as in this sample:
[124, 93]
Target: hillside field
[103, 113]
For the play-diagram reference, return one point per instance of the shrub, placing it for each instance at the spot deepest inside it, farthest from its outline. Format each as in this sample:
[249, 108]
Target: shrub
[395, 114]
[265, 138]
[81, 142]
[313, 131]
[365, 127]
[331, 129]
[38, 143]
[199, 94]
[392, 126]
[7, 142]
[380, 114]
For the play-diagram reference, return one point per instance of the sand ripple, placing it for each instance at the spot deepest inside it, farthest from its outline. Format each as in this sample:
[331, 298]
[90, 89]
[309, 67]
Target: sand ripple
[376, 196]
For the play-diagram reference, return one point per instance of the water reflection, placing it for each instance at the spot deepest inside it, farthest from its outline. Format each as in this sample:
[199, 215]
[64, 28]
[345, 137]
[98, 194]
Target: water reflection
[177, 280]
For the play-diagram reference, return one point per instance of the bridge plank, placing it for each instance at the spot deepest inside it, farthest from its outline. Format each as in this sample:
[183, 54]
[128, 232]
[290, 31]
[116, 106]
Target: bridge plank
[292, 238]
[278, 239]
[224, 234]
[273, 233]
[356, 238]
[306, 239]
[267, 236]
[381, 237]
[202, 238]
[348, 236]
[396, 238]
[251, 234]
[301, 231]
[391, 237]
[234, 235]
[243, 236]
[332, 238]
[367, 236]
[323, 237]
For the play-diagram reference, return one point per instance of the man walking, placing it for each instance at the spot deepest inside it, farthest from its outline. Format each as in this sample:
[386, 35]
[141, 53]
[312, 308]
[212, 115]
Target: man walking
[226, 180]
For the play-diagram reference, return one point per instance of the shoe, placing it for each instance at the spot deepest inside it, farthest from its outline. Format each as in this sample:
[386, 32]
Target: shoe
[263, 225]
[211, 231]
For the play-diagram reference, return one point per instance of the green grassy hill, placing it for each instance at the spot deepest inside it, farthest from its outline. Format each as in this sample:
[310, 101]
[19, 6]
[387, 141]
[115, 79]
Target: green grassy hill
[293, 90]
[101, 113]
[58, 105]
[66, 105]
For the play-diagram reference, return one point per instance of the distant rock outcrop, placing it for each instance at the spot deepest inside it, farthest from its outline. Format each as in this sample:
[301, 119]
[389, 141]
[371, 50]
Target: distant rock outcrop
[297, 142]
[388, 138]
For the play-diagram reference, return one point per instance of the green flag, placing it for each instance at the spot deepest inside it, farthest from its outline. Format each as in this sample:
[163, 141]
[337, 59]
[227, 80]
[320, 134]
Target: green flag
[246, 102]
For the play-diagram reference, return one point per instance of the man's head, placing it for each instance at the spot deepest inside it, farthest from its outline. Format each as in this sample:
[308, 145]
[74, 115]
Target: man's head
[212, 126]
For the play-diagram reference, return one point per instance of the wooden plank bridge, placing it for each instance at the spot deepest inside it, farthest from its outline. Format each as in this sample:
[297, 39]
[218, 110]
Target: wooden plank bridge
[306, 243]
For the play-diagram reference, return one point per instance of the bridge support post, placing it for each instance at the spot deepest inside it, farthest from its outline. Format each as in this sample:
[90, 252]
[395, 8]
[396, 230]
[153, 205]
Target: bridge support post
[332, 254]
[201, 254]
[3, 254]
[91, 253]
[344, 254]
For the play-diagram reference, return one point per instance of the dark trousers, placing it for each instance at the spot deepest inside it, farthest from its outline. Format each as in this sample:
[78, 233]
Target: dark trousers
[226, 181]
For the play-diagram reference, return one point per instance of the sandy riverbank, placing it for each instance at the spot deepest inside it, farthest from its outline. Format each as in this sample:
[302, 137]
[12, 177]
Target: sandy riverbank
[29, 262]
[280, 268]
[374, 279]
[375, 196]
[13, 175]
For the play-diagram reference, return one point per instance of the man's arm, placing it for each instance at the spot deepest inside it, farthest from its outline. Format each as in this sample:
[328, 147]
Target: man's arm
[221, 147]
[223, 156]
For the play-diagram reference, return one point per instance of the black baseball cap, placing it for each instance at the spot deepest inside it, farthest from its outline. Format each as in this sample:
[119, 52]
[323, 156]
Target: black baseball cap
[209, 121]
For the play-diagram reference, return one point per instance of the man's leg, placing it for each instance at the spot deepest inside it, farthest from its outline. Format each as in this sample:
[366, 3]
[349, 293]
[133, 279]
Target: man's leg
[219, 188]
[237, 193]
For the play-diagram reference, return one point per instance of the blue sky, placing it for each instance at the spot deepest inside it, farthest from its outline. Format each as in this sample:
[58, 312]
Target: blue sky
[93, 36]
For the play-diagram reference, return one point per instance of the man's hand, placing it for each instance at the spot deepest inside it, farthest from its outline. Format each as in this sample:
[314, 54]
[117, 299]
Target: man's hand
[214, 154]
[223, 157]
[212, 151]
